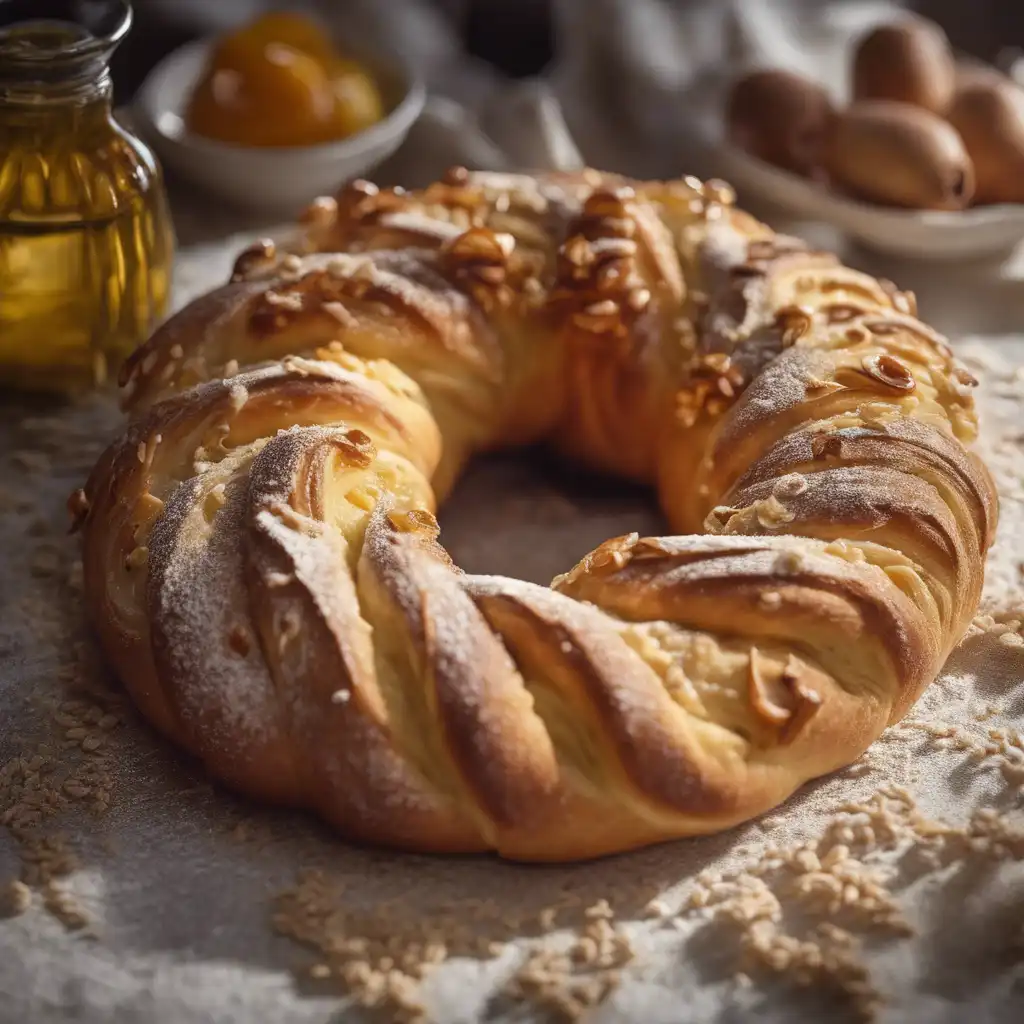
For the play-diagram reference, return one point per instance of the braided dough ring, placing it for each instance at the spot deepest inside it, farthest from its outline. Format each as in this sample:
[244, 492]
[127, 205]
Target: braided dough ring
[261, 553]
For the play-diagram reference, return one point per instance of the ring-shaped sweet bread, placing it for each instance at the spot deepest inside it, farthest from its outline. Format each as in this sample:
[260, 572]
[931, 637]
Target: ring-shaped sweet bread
[261, 554]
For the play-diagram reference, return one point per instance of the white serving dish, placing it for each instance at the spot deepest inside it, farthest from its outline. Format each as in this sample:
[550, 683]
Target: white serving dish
[279, 180]
[981, 232]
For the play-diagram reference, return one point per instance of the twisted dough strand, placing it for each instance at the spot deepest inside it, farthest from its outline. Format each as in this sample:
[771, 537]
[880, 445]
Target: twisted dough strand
[261, 552]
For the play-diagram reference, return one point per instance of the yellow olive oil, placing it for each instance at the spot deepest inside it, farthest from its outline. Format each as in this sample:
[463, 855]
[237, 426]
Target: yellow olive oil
[86, 243]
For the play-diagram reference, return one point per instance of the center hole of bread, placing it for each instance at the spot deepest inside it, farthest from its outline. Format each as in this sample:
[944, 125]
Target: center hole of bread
[528, 516]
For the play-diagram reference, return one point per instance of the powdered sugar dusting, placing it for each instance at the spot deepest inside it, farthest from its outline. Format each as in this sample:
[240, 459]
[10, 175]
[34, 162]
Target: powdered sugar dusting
[203, 635]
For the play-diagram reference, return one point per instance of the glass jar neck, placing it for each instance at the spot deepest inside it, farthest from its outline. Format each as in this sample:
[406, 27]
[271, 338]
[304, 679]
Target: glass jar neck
[66, 108]
[91, 90]
[46, 64]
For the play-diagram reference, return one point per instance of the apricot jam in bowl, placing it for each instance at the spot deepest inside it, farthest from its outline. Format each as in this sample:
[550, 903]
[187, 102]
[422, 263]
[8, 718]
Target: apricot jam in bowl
[274, 114]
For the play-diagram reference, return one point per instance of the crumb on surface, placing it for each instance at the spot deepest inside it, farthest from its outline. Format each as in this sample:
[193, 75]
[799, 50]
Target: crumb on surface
[15, 898]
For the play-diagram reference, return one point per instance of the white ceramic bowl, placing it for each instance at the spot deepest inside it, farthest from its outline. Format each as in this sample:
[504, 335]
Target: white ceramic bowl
[980, 232]
[278, 180]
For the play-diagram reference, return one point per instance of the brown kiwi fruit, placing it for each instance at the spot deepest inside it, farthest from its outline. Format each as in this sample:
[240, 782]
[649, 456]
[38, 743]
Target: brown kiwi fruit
[988, 112]
[779, 117]
[899, 155]
[909, 61]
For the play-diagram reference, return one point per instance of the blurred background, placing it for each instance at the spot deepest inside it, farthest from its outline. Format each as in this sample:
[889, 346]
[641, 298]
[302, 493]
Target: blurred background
[634, 86]
[520, 38]
[629, 79]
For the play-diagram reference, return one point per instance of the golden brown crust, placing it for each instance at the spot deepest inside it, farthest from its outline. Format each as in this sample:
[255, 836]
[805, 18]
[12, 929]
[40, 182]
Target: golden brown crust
[262, 559]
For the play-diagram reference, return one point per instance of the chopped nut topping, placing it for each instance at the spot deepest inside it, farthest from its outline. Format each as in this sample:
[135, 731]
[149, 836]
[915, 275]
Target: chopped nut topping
[761, 701]
[713, 385]
[577, 251]
[721, 192]
[356, 448]
[963, 381]
[256, 257]
[615, 552]
[790, 486]
[794, 322]
[340, 313]
[888, 370]
[320, 213]
[609, 213]
[771, 513]
[416, 520]
[290, 301]
[457, 176]
[842, 312]
[779, 696]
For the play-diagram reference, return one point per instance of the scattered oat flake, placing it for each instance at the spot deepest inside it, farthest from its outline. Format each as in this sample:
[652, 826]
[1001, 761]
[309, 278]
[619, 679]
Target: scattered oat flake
[15, 898]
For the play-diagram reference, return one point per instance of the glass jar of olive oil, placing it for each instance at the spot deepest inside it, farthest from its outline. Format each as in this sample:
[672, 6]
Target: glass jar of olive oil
[86, 243]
